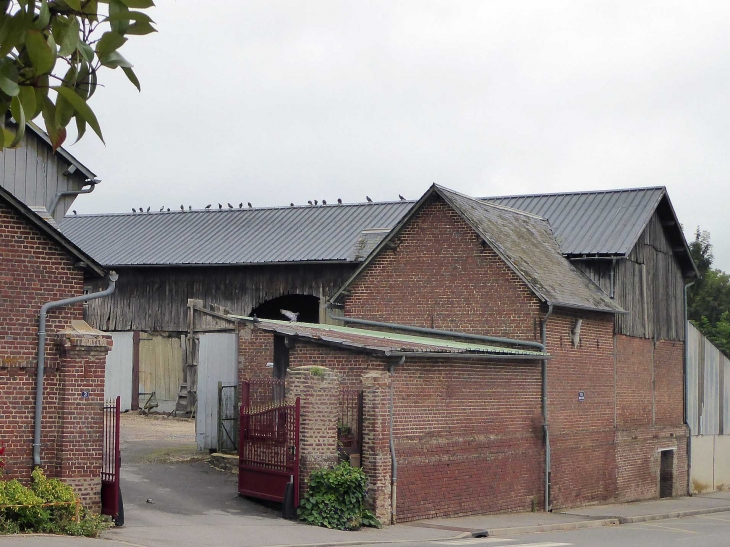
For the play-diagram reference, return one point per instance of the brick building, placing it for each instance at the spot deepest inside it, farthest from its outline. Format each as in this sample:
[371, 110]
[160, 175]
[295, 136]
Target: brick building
[39, 265]
[602, 420]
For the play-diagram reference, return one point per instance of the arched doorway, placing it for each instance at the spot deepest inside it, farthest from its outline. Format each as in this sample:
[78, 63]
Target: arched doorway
[306, 306]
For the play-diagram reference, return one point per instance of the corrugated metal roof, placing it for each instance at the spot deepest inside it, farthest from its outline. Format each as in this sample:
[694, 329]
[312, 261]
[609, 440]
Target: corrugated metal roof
[586, 223]
[231, 236]
[380, 341]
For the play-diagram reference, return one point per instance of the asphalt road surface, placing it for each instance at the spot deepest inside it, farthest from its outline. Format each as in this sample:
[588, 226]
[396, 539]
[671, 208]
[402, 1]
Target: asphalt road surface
[700, 531]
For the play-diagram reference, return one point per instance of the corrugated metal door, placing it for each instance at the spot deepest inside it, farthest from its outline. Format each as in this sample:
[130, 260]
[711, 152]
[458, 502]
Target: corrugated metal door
[118, 372]
[160, 369]
[217, 362]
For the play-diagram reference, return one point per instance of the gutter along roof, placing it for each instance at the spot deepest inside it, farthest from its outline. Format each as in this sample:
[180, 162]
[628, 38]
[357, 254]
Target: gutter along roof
[525, 242]
[386, 343]
[50, 232]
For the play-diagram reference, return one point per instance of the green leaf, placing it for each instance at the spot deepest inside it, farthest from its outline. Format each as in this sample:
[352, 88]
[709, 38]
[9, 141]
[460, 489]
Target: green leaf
[139, 4]
[17, 111]
[70, 38]
[44, 16]
[129, 16]
[86, 52]
[81, 107]
[80, 128]
[56, 134]
[8, 137]
[27, 99]
[74, 4]
[92, 84]
[116, 7]
[64, 111]
[109, 41]
[141, 28]
[12, 29]
[132, 77]
[40, 53]
[114, 60]
[9, 78]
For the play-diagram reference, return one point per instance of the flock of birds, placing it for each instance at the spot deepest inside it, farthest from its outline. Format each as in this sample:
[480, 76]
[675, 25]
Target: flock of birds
[312, 203]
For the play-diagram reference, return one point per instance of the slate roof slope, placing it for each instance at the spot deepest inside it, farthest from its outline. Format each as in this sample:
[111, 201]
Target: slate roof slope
[592, 223]
[50, 231]
[384, 343]
[526, 243]
[230, 236]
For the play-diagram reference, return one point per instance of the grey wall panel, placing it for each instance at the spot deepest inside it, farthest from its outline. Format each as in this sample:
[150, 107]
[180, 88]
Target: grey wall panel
[118, 373]
[217, 362]
[711, 405]
[693, 340]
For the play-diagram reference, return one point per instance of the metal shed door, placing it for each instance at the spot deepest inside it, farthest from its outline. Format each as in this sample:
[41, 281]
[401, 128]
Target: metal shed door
[217, 362]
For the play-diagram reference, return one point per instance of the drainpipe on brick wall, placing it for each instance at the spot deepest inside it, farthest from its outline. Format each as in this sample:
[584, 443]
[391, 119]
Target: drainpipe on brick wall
[424, 330]
[393, 461]
[686, 387]
[546, 432]
[42, 355]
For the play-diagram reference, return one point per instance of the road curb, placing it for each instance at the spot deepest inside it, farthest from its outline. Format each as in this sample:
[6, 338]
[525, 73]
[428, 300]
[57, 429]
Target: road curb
[673, 515]
[561, 527]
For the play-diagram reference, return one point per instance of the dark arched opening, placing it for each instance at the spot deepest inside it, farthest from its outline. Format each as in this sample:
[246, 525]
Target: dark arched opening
[305, 305]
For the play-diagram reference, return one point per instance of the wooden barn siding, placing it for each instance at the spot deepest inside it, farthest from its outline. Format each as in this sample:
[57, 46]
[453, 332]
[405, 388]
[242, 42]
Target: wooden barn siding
[155, 299]
[648, 284]
[33, 174]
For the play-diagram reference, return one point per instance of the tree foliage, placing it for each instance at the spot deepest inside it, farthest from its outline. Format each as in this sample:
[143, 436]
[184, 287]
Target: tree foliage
[50, 54]
[708, 300]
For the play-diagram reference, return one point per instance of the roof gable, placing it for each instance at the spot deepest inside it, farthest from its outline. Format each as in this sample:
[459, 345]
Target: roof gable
[526, 244]
[50, 232]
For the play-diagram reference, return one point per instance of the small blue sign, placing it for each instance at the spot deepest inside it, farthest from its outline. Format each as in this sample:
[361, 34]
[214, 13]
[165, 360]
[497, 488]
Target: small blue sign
[84, 394]
[581, 396]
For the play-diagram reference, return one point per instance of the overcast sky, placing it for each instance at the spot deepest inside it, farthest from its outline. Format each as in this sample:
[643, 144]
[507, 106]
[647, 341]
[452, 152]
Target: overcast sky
[275, 102]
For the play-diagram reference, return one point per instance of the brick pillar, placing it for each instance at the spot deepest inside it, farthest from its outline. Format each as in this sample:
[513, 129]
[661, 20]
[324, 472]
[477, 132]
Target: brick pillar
[82, 353]
[376, 461]
[318, 389]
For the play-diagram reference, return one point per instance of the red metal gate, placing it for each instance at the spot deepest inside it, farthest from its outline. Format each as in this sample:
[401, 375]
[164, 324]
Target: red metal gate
[268, 442]
[111, 460]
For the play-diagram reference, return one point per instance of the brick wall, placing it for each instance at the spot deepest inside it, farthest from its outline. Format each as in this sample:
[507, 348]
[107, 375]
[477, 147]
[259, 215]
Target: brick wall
[441, 276]
[581, 431]
[650, 415]
[33, 271]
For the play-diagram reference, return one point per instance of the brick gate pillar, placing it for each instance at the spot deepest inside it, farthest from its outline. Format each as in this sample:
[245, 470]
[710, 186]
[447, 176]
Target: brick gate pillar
[82, 352]
[318, 389]
[376, 462]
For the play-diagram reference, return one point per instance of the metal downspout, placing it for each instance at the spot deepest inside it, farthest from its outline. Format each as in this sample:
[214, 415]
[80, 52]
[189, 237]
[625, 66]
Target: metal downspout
[393, 461]
[42, 355]
[423, 330]
[92, 184]
[686, 387]
[546, 432]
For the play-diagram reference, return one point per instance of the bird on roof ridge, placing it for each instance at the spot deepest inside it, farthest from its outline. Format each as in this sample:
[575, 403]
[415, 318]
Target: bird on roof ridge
[75, 213]
[229, 205]
[162, 208]
[291, 315]
[134, 210]
[401, 197]
[324, 202]
[148, 209]
[291, 204]
[368, 198]
[310, 202]
[339, 201]
[182, 207]
[220, 206]
[208, 206]
[190, 207]
[249, 205]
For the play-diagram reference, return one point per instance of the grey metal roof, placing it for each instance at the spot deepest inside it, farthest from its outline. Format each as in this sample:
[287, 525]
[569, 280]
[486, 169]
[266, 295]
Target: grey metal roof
[525, 242]
[231, 236]
[592, 223]
[385, 343]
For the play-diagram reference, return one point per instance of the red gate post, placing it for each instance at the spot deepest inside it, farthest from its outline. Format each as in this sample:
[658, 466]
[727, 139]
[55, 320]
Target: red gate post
[111, 459]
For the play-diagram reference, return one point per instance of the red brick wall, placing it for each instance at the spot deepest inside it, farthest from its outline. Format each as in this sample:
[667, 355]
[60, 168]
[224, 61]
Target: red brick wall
[581, 432]
[255, 350]
[650, 415]
[441, 276]
[33, 271]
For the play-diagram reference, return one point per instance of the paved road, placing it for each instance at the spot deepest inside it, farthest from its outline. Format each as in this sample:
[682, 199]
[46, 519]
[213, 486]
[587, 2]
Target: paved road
[700, 531]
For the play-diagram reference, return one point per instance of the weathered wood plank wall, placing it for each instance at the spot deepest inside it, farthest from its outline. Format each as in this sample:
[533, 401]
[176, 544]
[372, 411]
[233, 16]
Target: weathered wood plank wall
[33, 174]
[155, 299]
[648, 284]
